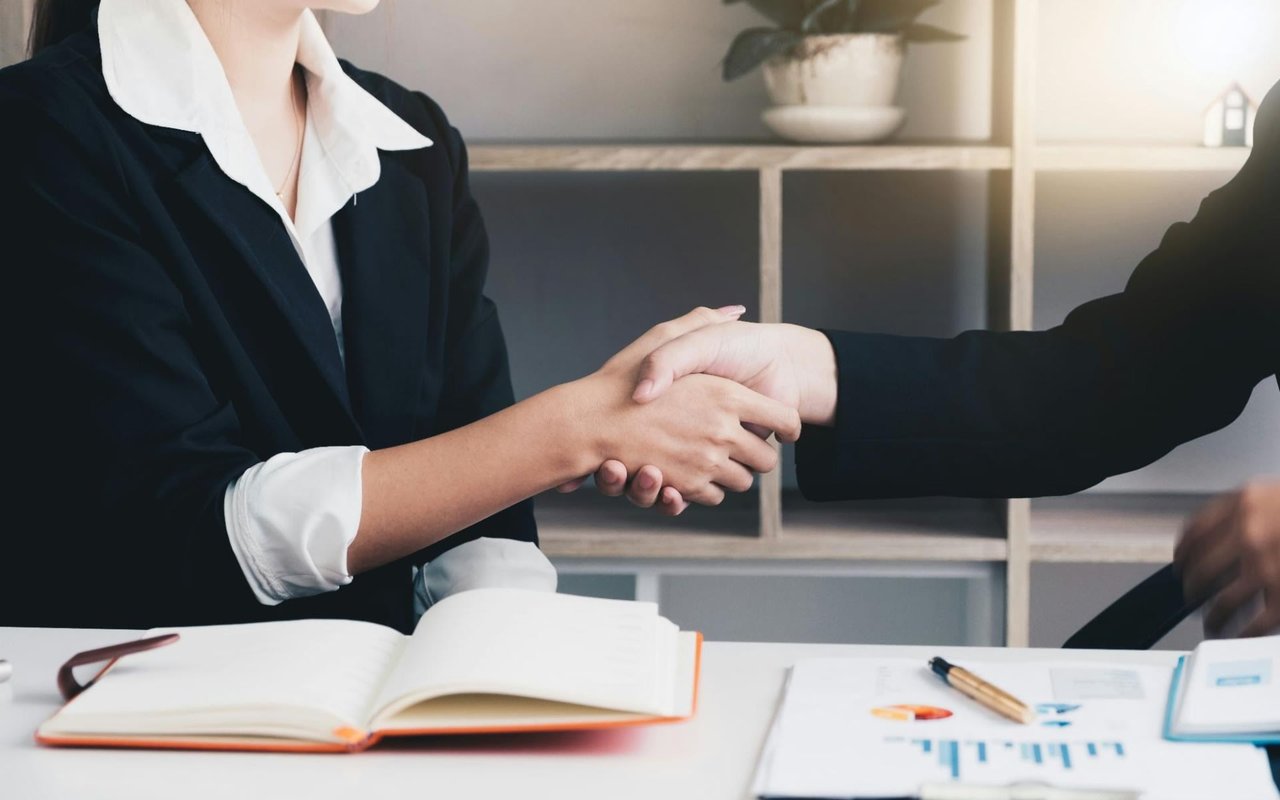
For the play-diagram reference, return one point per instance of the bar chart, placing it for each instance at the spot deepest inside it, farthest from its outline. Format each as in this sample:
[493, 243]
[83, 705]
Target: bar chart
[960, 758]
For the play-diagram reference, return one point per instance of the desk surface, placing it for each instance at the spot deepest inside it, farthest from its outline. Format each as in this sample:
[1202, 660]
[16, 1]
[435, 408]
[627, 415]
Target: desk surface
[709, 757]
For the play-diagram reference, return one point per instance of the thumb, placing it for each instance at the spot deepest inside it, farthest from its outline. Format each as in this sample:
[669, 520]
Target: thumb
[685, 355]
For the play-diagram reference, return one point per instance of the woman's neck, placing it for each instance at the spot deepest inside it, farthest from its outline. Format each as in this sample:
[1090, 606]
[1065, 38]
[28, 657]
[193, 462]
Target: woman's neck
[257, 45]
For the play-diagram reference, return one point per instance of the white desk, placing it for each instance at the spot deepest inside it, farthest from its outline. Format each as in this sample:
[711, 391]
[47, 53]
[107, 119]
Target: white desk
[708, 758]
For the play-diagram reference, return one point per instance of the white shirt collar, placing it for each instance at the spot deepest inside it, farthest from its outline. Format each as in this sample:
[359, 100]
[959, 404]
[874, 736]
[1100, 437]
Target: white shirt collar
[161, 69]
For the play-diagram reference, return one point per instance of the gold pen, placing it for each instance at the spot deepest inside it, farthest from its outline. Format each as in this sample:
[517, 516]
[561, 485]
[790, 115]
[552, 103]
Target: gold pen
[994, 698]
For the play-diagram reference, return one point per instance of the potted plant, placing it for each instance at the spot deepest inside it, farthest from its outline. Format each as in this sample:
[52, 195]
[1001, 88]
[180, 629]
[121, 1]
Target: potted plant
[832, 66]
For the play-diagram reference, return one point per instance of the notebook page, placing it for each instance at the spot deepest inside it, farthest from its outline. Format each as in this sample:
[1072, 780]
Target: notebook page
[230, 676]
[607, 653]
[1232, 686]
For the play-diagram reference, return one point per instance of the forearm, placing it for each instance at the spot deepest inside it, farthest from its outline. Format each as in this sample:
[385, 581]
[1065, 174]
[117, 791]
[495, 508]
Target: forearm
[1013, 414]
[417, 494]
[980, 415]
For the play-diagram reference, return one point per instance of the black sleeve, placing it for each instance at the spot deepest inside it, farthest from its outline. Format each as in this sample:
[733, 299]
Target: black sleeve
[1124, 380]
[477, 380]
[122, 450]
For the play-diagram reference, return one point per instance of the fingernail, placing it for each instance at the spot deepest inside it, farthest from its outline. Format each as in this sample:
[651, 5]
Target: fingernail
[645, 480]
[643, 390]
[735, 310]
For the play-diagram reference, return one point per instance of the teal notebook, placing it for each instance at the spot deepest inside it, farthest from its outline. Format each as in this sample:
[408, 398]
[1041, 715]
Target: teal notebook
[1226, 691]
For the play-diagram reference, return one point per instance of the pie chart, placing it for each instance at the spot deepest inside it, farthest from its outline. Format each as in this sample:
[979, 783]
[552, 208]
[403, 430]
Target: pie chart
[910, 713]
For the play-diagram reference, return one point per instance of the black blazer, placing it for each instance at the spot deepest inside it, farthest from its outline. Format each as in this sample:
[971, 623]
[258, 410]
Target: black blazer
[1121, 382]
[163, 336]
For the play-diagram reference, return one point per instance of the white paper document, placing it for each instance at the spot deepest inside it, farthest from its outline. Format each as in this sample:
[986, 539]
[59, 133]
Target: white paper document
[884, 728]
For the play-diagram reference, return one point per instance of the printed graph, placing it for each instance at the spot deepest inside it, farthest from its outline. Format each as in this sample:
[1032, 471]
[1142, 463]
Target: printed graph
[958, 758]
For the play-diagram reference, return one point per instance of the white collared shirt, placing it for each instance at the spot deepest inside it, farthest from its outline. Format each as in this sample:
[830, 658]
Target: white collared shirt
[291, 518]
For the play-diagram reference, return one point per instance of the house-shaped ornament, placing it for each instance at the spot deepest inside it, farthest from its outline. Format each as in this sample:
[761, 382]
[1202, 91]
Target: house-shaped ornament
[1229, 121]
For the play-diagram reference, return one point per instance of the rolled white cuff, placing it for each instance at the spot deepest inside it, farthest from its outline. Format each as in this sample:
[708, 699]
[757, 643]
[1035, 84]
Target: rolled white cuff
[291, 518]
[482, 563]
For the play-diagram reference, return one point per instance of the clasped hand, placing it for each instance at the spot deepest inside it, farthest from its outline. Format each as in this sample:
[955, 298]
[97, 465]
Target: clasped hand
[784, 373]
[708, 433]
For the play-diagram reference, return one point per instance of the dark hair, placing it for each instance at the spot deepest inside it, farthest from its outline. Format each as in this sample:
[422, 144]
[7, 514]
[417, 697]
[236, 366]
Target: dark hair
[55, 20]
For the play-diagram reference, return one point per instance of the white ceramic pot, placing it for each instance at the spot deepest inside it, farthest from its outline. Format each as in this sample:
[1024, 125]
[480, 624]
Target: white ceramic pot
[836, 88]
[847, 70]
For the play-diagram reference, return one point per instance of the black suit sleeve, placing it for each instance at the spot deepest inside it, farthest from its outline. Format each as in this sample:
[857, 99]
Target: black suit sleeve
[143, 449]
[477, 380]
[1121, 382]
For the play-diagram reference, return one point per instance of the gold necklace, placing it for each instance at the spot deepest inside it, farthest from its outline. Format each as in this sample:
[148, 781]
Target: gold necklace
[301, 127]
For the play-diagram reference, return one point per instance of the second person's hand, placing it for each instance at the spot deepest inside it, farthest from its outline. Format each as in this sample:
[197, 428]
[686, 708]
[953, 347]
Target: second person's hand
[700, 409]
[1229, 554]
[790, 363]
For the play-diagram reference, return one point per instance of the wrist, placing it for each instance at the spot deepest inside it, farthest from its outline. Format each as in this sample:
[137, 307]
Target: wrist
[819, 383]
[579, 408]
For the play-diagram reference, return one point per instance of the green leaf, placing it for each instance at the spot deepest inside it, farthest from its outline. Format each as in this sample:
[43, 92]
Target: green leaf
[754, 46]
[890, 16]
[786, 13]
[919, 32]
[813, 21]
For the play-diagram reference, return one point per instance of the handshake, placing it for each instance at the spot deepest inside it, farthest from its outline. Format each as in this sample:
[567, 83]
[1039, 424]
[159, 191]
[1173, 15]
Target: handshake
[690, 405]
[684, 413]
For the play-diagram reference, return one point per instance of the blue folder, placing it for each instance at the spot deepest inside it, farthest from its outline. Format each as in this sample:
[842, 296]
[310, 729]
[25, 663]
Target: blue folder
[1260, 739]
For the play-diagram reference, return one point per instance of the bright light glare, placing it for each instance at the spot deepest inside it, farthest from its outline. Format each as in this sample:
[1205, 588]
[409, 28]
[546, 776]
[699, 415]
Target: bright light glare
[1220, 37]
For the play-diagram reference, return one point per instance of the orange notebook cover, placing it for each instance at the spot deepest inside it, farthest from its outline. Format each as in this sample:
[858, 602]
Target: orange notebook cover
[486, 661]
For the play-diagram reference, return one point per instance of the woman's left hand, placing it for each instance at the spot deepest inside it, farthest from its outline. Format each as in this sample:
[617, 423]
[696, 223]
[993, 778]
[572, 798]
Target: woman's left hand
[1230, 554]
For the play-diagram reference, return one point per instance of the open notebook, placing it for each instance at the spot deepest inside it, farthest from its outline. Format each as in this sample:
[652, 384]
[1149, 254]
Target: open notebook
[488, 660]
[1227, 690]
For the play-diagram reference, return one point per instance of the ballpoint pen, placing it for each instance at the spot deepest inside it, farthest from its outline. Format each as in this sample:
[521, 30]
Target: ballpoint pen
[993, 697]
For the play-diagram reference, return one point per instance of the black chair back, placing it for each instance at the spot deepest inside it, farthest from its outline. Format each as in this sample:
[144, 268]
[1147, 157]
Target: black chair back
[1141, 617]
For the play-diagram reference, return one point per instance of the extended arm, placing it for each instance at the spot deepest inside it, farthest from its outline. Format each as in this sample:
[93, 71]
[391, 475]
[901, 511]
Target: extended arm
[1122, 381]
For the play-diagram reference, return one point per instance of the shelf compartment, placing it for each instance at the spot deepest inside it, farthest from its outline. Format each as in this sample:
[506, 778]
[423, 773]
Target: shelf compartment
[927, 529]
[716, 157]
[1096, 528]
[1138, 158]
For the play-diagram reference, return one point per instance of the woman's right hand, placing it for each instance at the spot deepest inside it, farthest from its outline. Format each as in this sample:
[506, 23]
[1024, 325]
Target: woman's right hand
[694, 433]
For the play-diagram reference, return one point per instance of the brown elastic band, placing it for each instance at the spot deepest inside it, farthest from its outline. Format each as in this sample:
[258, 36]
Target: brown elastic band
[70, 687]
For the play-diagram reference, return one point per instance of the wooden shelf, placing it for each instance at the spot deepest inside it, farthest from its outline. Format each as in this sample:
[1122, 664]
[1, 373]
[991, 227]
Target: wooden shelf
[928, 530]
[1109, 528]
[847, 546]
[752, 157]
[1138, 158]
[745, 157]
[1090, 528]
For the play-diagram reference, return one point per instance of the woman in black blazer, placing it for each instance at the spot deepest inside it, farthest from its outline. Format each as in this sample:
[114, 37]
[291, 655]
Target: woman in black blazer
[252, 357]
